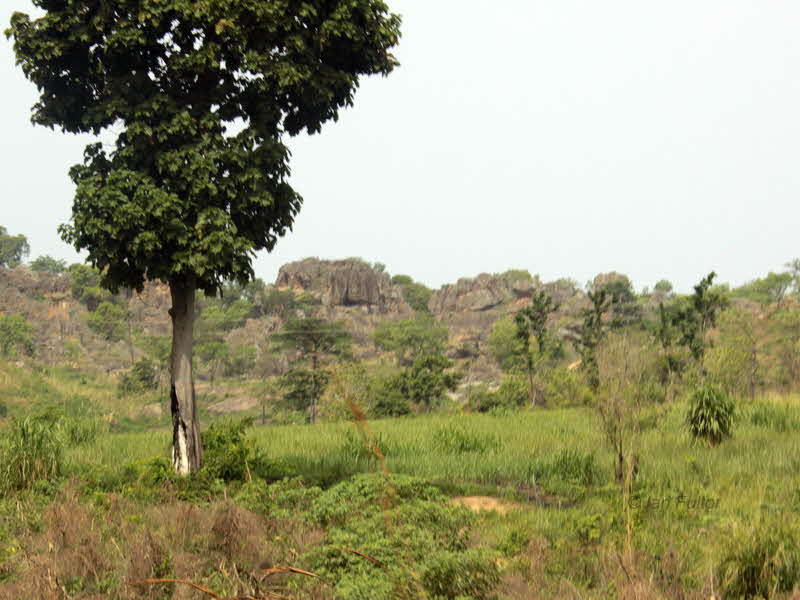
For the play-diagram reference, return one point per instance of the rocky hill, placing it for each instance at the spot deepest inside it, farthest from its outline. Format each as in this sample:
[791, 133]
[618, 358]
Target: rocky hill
[350, 290]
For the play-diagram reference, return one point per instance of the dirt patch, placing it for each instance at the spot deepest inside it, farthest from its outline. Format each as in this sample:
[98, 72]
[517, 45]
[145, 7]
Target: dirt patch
[233, 404]
[484, 503]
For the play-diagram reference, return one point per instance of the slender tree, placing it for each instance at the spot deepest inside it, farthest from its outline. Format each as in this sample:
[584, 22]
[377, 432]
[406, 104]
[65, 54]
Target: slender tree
[531, 321]
[200, 95]
[591, 332]
[312, 338]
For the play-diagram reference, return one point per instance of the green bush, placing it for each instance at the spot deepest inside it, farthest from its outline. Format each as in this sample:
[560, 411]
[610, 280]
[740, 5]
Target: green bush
[30, 451]
[711, 414]
[388, 398]
[761, 564]
[141, 378]
[229, 454]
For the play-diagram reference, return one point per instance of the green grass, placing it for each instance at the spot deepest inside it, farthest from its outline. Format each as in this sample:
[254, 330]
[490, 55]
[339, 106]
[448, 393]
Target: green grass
[691, 501]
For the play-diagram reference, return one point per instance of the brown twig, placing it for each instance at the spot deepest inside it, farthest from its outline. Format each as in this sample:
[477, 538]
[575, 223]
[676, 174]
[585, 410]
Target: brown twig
[277, 570]
[371, 559]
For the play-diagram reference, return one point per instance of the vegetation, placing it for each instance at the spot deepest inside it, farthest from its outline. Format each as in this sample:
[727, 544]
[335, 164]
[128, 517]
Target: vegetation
[16, 335]
[711, 414]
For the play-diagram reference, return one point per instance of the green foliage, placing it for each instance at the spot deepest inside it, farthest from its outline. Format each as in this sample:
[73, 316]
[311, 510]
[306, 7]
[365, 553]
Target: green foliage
[276, 302]
[511, 395]
[711, 414]
[761, 564]
[228, 452]
[388, 398]
[13, 248]
[419, 541]
[770, 289]
[224, 317]
[416, 294]
[427, 380]
[313, 337]
[699, 314]
[591, 333]
[531, 321]
[109, 321]
[141, 378]
[562, 387]
[48, 264]
[517, 275]
[303, 386]
[85, 283]
[16, 335]
[31, 450]
[240, 361]
[408, 338]
[505, 346]
[663, 287]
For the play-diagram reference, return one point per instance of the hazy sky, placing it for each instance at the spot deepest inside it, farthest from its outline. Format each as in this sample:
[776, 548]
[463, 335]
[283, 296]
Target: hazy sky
[659, 139]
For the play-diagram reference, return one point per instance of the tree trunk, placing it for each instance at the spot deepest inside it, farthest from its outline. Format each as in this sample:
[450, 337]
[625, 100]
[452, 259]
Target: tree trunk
[187, 450]
[314, 399]
[531, 391]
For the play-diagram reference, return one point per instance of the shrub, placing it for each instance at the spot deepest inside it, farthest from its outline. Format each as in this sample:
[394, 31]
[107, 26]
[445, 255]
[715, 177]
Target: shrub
[228, 453]
[31, 451]
[388, 397]
[142, 377]
[711, 414]
[763, 563]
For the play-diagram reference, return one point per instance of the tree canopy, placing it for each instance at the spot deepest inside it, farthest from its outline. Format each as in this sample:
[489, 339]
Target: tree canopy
[13, 248]
[202, 94]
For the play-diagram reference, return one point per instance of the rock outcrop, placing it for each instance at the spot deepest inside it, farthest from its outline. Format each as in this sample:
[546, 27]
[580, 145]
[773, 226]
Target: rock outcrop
[343, 283]
[480, 293]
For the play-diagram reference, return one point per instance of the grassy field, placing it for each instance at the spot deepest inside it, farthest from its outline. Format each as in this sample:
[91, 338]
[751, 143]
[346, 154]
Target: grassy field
[702, 521]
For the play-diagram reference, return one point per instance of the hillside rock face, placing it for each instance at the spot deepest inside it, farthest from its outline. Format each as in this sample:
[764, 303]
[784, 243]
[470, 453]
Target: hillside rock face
[21, 285]
[478, 294]
[343, 283]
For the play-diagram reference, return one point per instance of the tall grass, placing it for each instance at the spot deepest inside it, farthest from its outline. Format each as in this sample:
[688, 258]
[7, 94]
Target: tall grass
[31, 451]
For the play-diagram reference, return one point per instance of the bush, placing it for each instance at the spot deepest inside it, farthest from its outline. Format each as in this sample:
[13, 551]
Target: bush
[31, 451]
[763, 563]
[141, 378]
[228, 453]
[389, 400]
[711, 414]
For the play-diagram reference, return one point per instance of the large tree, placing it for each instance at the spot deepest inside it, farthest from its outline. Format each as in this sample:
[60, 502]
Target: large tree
[200, 96]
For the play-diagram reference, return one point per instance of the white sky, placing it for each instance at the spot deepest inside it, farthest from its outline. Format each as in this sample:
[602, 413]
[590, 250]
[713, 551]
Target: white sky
[567, 137]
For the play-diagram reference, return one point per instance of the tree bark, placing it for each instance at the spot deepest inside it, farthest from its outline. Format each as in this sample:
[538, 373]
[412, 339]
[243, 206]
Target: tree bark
[187, 450]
